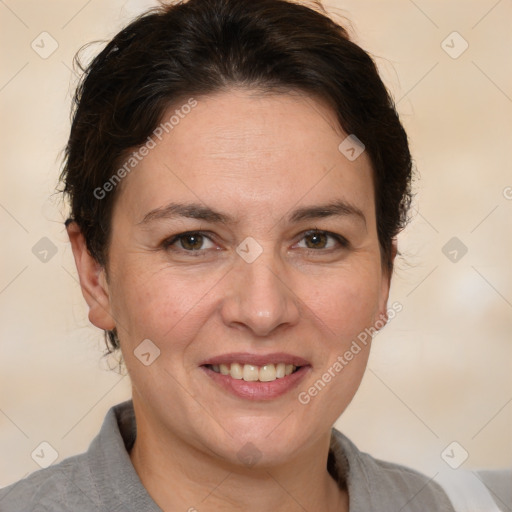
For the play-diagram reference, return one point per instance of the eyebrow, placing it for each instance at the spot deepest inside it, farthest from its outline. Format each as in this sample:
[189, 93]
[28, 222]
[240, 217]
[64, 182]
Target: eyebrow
[189, 210]
[338, 208]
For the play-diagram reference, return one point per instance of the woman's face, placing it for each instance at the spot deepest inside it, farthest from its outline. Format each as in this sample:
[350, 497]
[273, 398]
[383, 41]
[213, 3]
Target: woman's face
[280, 264]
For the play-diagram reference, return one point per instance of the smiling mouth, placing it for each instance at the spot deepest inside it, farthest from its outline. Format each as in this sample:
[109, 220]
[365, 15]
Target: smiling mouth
[253, 373]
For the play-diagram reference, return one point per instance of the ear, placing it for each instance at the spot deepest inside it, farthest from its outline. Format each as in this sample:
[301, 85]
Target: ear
[93, 280]
[385, 286]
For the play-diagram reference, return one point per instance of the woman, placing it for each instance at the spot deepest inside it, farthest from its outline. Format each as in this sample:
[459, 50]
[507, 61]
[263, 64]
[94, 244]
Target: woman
[237, 176]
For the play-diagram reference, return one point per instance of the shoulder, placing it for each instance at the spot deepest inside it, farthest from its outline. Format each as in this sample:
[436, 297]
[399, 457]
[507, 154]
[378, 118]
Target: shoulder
[65, 486]
[380, 485]
[102, 478]
[499, 484]
[418, 491]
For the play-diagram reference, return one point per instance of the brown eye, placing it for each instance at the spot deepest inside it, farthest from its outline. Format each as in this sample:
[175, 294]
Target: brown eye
[316, 240]
[192, 241]
[322, 240]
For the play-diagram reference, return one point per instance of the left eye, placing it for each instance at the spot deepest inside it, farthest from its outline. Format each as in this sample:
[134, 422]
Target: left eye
[320, 240]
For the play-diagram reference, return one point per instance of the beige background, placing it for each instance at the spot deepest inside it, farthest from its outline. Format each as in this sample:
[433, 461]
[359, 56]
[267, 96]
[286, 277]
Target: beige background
[441, 371]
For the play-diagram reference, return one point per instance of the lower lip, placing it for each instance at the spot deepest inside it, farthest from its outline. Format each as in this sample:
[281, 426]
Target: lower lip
[258, 390]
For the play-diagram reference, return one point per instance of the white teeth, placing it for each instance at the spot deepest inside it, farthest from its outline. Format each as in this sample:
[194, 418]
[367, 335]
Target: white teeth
[253, 373]
[268, 373]
[250, 373]
[236, 371]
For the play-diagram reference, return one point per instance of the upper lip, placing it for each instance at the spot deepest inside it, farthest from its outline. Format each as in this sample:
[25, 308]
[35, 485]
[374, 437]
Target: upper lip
[256, 359]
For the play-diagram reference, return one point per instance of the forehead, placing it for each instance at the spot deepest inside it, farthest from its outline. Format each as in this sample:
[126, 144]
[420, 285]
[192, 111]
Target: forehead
[246, 149]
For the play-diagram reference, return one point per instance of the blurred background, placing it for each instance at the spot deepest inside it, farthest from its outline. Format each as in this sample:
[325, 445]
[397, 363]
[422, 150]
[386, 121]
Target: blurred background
[438, 390]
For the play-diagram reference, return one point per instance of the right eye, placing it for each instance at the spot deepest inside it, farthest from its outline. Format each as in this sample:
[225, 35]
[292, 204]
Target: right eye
[190, 241]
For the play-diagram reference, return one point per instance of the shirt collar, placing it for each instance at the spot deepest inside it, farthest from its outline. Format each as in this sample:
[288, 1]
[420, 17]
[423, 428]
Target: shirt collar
[110, 463]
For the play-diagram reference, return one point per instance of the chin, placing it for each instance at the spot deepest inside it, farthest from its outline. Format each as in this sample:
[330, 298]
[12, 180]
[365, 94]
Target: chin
[260, 442]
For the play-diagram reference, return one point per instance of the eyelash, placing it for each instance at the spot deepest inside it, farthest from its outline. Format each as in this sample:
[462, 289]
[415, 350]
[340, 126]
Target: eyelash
[342, 241]
[169, 242]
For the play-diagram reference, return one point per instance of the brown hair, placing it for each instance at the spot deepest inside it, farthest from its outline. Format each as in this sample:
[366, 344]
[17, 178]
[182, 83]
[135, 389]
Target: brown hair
[199, 47]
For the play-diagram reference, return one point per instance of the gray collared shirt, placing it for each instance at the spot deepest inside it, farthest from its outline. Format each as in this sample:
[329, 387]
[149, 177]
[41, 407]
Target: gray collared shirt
[103, 479]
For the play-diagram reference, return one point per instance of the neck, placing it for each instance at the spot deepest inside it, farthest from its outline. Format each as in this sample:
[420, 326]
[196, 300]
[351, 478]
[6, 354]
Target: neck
[178, 476]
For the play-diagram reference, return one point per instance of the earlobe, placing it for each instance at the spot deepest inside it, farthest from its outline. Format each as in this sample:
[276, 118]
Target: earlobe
[93, 280]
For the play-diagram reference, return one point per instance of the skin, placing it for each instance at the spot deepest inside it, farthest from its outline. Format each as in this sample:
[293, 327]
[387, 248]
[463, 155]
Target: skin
[255, 157]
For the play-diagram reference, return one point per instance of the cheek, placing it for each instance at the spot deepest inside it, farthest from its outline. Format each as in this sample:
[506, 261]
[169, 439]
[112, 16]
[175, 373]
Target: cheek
[345, 303]
[344, 306]
[161, 303]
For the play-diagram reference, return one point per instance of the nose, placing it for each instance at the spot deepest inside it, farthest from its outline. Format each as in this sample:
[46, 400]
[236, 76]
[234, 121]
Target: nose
[259, 297]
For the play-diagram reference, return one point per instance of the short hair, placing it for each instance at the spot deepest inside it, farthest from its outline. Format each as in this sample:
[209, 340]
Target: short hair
[199, 47]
